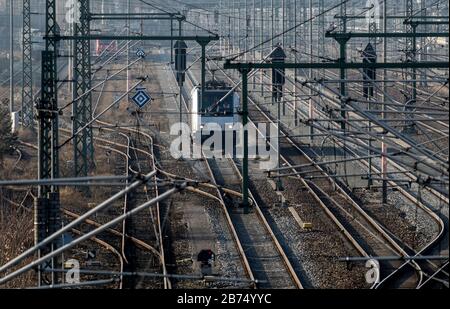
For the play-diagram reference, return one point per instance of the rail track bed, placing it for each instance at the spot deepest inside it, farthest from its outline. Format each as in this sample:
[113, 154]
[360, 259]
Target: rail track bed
[414, 230]
[253, 232]
[370, 236]
[363, 233]
[190, 221]
[129, 152]
[313, 251]
[143, 225]
[305, 247]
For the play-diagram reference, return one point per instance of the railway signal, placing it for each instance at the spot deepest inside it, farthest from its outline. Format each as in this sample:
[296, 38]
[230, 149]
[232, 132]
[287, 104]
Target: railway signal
[206, 259]
[140, 53]
[278, 80]
[278, 56]
[369, 74]
[180, 61]
[180, 48]
[141, 98]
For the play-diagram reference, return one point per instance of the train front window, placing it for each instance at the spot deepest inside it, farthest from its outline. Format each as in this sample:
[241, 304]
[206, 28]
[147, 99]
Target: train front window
[210, 106]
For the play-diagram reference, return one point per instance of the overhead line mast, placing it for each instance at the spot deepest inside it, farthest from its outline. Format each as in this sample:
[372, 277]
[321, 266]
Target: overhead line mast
[27, 70]
[83, 143]
[47, 213]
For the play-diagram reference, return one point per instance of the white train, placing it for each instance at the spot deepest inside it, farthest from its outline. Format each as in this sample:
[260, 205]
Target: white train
[225, 114]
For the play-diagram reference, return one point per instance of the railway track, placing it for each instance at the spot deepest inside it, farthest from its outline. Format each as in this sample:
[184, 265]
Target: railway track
[265, 256]
[265, 261]
[136, 253]
[368, 237]
[393, 166]
[261, 252]
[429, 266]
[118, 235]
[146, 226]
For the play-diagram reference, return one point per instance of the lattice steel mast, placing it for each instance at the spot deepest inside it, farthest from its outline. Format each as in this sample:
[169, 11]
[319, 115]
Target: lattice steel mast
[27, 71]
[410, 49]
[82, 108]
[47, 215]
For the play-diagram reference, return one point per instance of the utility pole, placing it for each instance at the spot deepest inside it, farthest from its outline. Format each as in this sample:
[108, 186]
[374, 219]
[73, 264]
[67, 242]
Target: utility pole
[83, 143]
[247, 24]
[321, 39]
[128, 25]
[370, 54]
[238, 33]
[278, 56]
[272, 23]
[261, 37]
[221, 32]
[423, 43]
[245, 193]
[234, 27]
[384, 147]
[171, 43]
[411, 46]
[229, 50]
[283, 22]
[342, 60]
[27, 70]
[11, 56]
[255, 15]
[296, 92]
[47, 219]
[102, 9]
[311, 102]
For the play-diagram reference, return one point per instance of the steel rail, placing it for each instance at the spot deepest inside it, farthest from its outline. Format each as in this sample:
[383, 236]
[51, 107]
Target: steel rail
[111, 223]
[297, 282]
[150, 155]
[355, 205]
[128, 147]
[137, 241]
[74, 223]
[396, 165]
[245, 262]
[100, 242]
[274, 238]
[427, 210]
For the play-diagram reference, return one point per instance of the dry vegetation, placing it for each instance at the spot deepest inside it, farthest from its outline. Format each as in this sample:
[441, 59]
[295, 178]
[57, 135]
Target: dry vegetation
[16, 235]
[16, 224]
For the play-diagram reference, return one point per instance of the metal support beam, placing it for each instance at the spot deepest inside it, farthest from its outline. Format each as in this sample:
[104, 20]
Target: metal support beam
[203, 73]
[47, 217]
[336, 65]
[91, 37]
[342, 70]
[371, 94]
[27, 70]
[83, 147]
[410, 50]
[11, 56]
[338, 35]
[245, 192]
[137, 15]
[384, 146]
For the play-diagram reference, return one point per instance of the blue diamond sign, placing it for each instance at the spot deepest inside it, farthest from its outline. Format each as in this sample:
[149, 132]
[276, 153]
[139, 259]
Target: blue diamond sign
[140, 53]
[141, 98]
